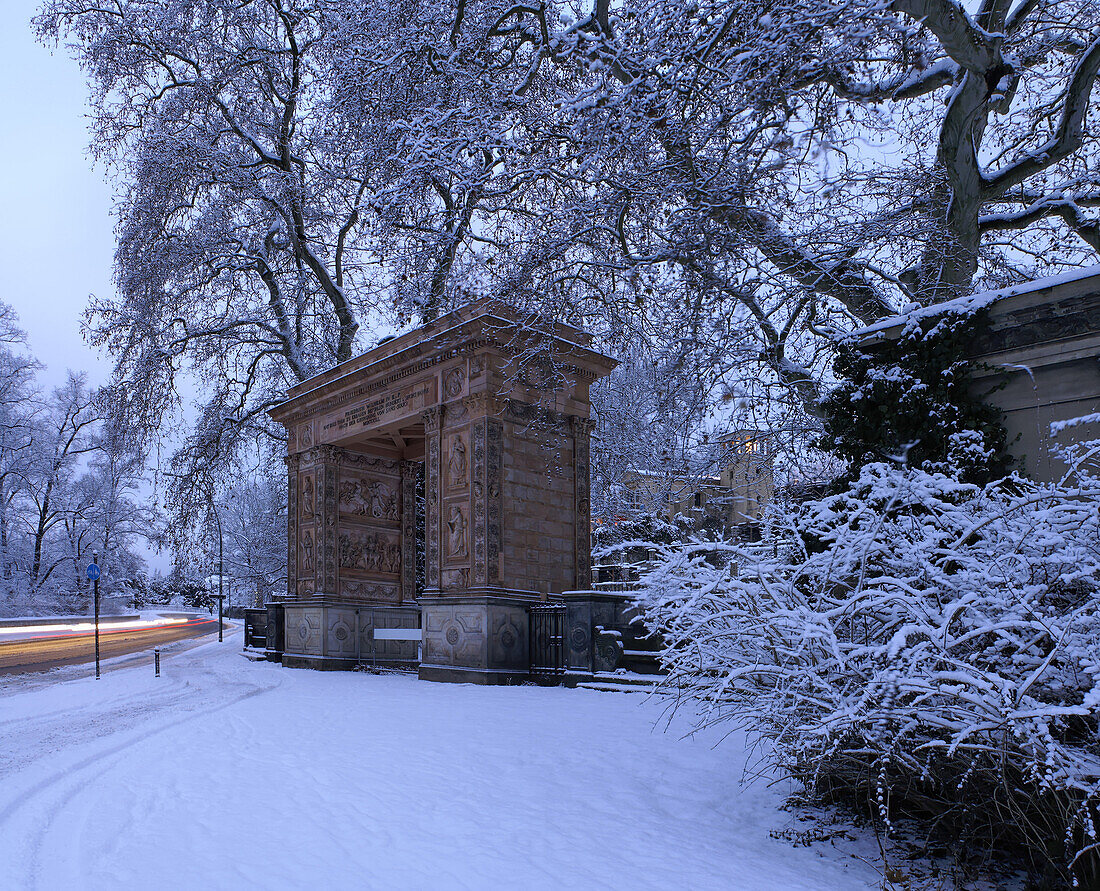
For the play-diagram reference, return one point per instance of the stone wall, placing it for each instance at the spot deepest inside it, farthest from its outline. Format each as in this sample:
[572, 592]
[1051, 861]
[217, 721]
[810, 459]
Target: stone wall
[1039, 362]
[538, 497]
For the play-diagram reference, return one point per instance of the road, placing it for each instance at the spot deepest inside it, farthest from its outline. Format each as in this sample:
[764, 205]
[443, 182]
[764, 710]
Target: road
[55, 649]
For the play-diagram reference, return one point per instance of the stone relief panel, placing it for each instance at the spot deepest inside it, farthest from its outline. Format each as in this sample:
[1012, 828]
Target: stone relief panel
[457, 475]
[457, 412]
[377, 592]
[362, 496]
[456, 579]
[368, 462]
[369, 550]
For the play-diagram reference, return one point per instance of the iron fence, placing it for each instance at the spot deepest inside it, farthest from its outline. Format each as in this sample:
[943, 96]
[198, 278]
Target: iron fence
[548, 642]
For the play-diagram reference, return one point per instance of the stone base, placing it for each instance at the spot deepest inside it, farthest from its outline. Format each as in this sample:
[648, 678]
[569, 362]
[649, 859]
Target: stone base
[476, 638]
[318, 663]
[472, 676]
[328, 633]
[584, 612]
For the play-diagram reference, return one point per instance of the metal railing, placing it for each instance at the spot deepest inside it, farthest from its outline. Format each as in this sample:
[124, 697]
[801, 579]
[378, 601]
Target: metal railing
[548, 642]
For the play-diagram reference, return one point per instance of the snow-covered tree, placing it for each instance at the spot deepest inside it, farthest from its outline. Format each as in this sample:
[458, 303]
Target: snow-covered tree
[254, 525]
[921, 647]
[62, 435]
[19, 410]
[108, 507]
[751, 176]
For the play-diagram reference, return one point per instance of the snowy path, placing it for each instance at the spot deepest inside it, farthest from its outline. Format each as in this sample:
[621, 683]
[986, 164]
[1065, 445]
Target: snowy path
[228, 774]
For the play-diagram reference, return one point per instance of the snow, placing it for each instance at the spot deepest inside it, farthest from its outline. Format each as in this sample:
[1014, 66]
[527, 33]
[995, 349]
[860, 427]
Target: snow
[979, 300]
[225, 773]
[1057, 427]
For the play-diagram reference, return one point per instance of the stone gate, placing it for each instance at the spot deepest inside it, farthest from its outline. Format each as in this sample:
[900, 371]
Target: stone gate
[493, 410]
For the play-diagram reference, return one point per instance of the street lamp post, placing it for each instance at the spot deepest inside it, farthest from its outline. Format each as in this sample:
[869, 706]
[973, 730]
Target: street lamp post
[221, 568]
[94, 575]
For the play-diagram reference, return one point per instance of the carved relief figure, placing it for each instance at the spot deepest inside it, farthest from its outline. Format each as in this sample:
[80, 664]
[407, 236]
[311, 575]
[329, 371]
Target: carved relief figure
[305, 436]
[308, 495]
[374, 499]
[452, 382]
[383, 501]
[307, 552]
[456, 578]
[456, 462]
[456, 539]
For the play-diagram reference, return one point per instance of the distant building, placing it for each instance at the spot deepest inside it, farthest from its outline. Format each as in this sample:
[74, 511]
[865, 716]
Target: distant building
[735, 499]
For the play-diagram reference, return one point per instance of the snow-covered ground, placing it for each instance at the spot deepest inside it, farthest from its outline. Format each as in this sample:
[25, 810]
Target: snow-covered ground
[228, 774]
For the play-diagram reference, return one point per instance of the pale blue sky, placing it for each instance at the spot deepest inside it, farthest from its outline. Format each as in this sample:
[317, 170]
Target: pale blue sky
[56, 233]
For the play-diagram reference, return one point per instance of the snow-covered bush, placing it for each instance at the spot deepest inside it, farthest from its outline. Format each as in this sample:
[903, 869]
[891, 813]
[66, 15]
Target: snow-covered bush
[926, 647]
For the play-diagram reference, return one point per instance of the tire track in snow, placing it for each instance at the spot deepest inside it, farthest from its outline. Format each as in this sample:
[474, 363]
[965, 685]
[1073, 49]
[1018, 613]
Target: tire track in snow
[43, 803]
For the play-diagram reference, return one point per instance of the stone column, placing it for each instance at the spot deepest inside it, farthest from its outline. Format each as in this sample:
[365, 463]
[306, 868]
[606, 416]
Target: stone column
[316, 568]
[433, 418]
[409, 470]
[292, 462]
[487, 447]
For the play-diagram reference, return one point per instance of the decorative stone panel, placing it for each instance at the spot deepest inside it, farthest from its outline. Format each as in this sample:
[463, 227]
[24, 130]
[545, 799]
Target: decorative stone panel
[582, 481]
[409, 470]
[494, 471]
[455, 634]
[292, 463]
[432, 519]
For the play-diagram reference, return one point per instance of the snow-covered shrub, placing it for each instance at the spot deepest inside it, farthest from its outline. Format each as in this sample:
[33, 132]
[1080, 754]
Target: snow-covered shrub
[927, 647]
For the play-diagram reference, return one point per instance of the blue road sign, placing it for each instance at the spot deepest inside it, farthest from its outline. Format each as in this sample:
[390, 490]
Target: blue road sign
[93, 571]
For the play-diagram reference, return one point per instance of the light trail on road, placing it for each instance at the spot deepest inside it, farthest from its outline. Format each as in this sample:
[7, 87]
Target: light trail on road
[19, 632]
[52, 650]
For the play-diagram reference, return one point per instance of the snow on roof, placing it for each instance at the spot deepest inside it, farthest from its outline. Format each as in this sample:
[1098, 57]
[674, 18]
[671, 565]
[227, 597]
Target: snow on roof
[980, 300]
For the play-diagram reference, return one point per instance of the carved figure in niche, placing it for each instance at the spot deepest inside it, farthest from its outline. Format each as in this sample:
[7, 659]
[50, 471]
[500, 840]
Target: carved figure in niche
[305, 436]
[307, 551]
[308, 496]
[456, 462]
[452, 383]
[456, 541]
